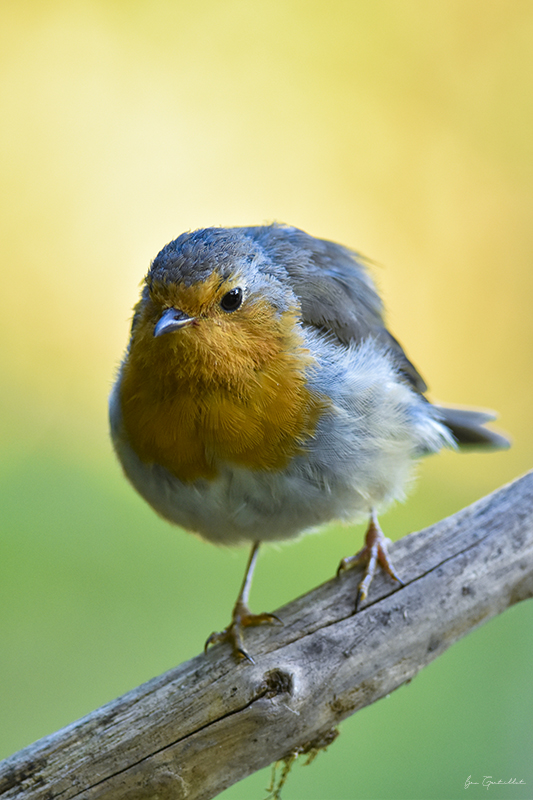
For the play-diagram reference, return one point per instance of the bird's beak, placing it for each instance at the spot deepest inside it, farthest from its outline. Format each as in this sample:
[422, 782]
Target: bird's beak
[171, 320]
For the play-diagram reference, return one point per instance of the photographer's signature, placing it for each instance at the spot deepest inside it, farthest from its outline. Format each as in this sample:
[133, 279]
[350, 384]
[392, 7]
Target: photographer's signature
[489, 781]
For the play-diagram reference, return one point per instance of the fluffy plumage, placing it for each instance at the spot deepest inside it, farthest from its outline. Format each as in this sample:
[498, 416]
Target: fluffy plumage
[291, 409]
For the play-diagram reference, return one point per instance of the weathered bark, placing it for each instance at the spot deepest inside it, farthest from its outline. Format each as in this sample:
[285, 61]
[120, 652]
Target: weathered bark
[211, 721]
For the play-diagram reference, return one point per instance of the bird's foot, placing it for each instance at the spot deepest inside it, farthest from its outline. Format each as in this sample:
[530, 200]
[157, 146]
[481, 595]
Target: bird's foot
[373, 553]
[241, 618]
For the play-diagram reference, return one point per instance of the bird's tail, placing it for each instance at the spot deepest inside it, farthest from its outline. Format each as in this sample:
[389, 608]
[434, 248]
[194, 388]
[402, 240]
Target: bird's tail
[468, 427]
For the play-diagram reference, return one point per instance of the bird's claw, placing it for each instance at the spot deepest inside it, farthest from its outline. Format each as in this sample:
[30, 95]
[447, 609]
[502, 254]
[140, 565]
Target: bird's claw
[373, 553]
[241, 618]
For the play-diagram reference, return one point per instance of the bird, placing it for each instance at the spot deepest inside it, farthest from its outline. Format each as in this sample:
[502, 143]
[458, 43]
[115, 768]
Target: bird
[261, 396]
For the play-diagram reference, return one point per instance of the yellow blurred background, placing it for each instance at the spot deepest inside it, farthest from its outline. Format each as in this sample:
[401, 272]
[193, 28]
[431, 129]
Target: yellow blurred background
[401, 128]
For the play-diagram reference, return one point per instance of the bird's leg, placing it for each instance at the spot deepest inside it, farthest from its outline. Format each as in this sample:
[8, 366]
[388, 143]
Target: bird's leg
[374, 552]
[242, 617]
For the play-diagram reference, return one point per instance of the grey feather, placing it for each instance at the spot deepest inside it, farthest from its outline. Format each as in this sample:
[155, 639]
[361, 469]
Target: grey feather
[468, 427]
[335, 290]
[338, 296]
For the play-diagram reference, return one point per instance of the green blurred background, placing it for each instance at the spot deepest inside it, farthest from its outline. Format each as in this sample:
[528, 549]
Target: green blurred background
[401, 128]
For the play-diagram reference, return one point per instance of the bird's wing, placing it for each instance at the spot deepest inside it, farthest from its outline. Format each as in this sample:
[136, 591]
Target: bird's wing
[335, 290]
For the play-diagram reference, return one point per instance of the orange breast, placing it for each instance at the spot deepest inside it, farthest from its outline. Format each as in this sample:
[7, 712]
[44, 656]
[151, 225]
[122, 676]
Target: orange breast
[229, 389]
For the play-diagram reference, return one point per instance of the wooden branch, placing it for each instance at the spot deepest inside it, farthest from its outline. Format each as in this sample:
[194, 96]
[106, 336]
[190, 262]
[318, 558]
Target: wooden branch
[210, 722]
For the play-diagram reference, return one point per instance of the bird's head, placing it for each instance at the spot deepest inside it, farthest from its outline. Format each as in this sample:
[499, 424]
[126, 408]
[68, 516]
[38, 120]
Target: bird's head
[213, 308]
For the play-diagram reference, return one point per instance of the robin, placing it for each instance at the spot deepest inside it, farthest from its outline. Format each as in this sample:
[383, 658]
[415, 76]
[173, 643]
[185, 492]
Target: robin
[261, 395]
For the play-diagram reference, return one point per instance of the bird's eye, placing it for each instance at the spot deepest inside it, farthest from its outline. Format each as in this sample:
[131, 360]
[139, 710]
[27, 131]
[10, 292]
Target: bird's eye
[232, 299]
